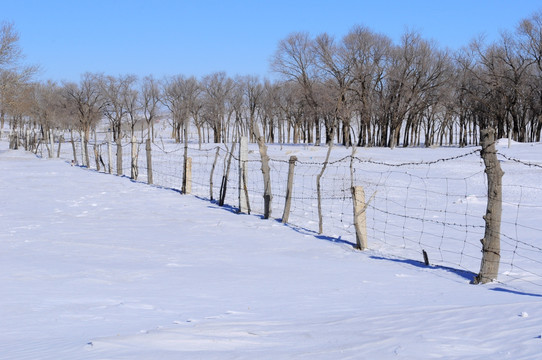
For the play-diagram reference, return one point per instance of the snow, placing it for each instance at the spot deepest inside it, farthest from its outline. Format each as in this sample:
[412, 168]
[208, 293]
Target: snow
[94, 266]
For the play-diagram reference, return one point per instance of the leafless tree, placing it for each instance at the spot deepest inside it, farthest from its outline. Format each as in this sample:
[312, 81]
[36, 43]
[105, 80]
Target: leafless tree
[296, 60]
[336, 65]
[13, 74]
[132, 105]
[216, 89]
[87, 101]
[180, 96]
[149, 102]
[115, 91]
[530, 42]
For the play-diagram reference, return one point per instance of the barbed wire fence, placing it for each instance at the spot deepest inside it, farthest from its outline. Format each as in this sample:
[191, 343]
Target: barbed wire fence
[432, 208]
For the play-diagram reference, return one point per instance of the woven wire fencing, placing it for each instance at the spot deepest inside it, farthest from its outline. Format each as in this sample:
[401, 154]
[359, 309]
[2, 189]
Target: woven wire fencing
[434, 206]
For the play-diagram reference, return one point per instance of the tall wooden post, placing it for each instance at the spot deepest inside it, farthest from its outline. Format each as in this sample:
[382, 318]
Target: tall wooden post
[185, 160]
[96, 156]
[211, 174]
[60, 141]
[83, 152]
[360, 220]
[266, 172]
[243, 190]
[149, 160]
[289, 188]
[51, 144]
[134, 169]
[73, 148]
[188, 187]
[119, 155]
[319, 191]
[491, 243]
[27, 139]
[109, 154]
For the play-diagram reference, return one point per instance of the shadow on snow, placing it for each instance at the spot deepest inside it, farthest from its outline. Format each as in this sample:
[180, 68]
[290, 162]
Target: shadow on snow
[469, 275]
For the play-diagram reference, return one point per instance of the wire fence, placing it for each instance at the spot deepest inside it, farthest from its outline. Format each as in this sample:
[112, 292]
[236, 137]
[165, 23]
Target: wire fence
[434, 206]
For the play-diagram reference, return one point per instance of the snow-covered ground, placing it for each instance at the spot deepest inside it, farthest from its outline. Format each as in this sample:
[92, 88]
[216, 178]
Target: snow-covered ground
[94, 266]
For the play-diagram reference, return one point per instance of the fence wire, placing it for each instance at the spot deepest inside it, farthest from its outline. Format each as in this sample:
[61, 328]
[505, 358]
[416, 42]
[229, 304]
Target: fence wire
[435, 206]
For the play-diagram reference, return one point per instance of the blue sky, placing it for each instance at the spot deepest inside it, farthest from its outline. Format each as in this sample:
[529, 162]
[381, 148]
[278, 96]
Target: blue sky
[166, 37]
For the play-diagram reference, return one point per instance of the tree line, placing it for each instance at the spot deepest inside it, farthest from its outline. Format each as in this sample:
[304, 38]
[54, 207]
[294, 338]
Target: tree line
[361, 89]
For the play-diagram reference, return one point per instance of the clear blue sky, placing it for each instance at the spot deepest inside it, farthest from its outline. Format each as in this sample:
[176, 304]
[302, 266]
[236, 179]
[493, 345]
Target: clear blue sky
[166, 37]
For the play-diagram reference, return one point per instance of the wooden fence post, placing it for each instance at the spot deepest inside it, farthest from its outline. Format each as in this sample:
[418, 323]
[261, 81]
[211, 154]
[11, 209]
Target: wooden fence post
[211, 175]
[134, 170]
[491, 243]
[319, 192]
[266, 172]
[360, 220]
[289, 188]
[185, 161]
[149, 161]
[83, 157]
[224, 186]
[60, 141]
[51, 144]
[27, 139]
[244, 206]
[119, 155]
[96, 156]
[74, 149]
[109, 154]
[12, 141]
[188, 187]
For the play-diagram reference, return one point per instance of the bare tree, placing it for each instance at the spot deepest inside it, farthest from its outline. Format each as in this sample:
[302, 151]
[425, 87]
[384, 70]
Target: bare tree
[295, 59]
[149, 99]
[87, 100]
[530, 41]
[46, 108]
[334, 61]
[132, 105]
[114, 91]
[216, 87]
[369, 53]
[180, 96]
[12, 73]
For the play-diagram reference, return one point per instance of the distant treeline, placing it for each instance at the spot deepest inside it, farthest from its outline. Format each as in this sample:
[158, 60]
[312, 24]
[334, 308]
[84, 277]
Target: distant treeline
[360, 90]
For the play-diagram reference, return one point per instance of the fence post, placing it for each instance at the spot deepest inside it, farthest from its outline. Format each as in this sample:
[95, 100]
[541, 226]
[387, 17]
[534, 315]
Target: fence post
[133, 172]
[109, 154]
[319, 192]
[188, 187]
[149, 161]
[243, 190]
[224, 186]
[12, 141]
[185, 161]
[360, 220]
[491, 243]
[60, 141]
[83, 158]
[211, 175]
[27, 139]
[289, 187]
[119, 155]
[96, 156]
[51, 144]
[266, 172]
[73, 148]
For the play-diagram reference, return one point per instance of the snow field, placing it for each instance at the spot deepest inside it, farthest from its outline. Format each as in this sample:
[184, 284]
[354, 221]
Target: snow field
[96, 266]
